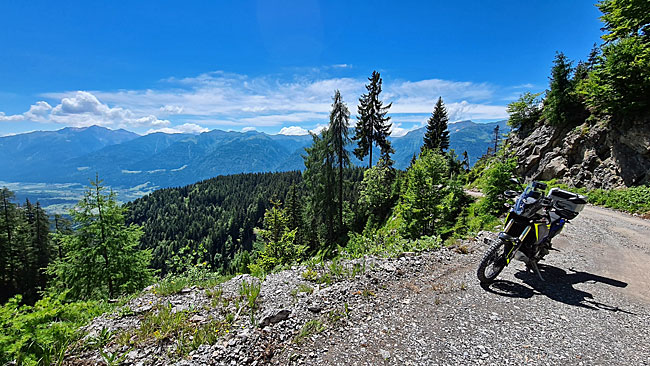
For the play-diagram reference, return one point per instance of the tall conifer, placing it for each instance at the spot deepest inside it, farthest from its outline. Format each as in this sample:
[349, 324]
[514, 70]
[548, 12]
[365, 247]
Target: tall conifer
[338, 129]
[496, 139]
[373, 127]
[319, 179]
[437, 135]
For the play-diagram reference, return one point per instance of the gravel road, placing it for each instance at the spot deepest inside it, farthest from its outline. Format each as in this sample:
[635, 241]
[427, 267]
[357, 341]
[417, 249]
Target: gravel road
[592, 309]
[425, 309]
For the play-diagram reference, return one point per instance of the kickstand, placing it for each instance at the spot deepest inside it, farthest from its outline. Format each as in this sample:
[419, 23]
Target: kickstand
[533, 265]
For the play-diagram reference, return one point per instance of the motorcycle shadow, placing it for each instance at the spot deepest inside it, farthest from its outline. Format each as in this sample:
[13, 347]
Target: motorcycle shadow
[508, 289]
[558, 285]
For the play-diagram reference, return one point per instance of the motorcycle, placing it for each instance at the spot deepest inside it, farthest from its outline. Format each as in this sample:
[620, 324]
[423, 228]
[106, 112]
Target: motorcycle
[530, 225]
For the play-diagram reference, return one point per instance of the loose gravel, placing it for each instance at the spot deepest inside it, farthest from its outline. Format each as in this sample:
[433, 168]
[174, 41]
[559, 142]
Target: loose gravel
[428, 309]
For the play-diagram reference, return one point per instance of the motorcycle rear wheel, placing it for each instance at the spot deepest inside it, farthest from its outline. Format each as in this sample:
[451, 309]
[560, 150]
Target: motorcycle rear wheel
[493, 262]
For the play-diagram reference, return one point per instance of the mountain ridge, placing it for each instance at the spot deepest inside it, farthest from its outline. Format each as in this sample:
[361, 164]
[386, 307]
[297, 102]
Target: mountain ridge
[125, 159]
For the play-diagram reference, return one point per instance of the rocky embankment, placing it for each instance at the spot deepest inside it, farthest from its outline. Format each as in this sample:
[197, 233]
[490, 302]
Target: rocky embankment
[427, 309]
[601, 155]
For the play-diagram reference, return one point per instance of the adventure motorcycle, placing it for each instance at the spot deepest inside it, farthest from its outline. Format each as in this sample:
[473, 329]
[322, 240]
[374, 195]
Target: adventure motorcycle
[529, 227]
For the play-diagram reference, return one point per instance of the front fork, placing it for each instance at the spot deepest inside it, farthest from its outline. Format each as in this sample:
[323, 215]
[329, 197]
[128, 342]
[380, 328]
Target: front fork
[512, 246]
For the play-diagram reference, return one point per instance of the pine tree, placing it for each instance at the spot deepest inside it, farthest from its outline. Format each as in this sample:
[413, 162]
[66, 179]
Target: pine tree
[280, 246]
[62, 226]
[41, 245]
[101, 257]
[413, 160]
[496, 139]
[373, 127]
[437, 135]
[594, 56]
[338, 129]
[7, 244]
[294, 208]
[560, 100]
[424, 191]
[319, 179]
[465, 161]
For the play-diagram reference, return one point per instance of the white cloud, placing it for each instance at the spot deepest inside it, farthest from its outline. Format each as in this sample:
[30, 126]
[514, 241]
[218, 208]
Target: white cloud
[316, 130]
[184, 128]
[171, 109]
[11, 118]
[465, 110]
[430, 89]
[398, 131]
[148, 121]
[293, 131]
[524, 86]
[227, 100]
[248, 129]
[38, 111]
[84, 109]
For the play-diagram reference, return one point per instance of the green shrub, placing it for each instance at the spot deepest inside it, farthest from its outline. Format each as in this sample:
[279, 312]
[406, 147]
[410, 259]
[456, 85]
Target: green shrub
[632, 199]
[41, 333]
[198, 276]
[494, 180]
[431, 200]
[386, 243]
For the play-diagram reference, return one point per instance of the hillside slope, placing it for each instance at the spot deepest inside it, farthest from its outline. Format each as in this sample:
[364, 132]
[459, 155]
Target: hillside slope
[425, 309]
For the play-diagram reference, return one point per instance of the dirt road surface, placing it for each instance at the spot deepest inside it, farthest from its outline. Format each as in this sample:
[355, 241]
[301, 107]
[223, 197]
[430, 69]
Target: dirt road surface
[592, 309]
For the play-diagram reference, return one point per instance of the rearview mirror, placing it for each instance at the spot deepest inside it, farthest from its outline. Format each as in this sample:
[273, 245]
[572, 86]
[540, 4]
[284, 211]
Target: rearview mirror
[510, 194]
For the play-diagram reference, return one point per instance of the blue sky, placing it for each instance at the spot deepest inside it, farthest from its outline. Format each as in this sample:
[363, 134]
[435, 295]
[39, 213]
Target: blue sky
[273, 66]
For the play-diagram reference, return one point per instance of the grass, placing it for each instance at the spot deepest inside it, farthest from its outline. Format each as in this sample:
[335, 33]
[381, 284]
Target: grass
[336, 315]
[215, 295]
[125, 311]
[100, 340]
[162, 324]
[313, 326]
[115, 358]
[310, 275]
[367, 293]
[387, 243]
[302, 288]
[632, 200]
[333, 271]
[196, 276]
[250, 292]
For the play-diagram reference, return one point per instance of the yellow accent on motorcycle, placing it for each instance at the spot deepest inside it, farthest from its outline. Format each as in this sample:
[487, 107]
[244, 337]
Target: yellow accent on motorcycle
[523, 235]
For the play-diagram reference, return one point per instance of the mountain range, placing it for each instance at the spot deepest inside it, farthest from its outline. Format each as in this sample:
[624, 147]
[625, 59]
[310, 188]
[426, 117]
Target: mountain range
[125, 159]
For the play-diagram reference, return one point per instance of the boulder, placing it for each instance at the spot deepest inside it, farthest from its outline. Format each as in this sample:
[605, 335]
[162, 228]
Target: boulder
[274, 316]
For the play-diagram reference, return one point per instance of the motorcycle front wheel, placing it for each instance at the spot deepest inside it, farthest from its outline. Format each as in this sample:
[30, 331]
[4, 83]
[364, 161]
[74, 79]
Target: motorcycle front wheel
[493, 262]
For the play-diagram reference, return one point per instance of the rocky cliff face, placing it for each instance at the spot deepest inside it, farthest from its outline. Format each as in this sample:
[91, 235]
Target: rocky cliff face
[602, 155]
